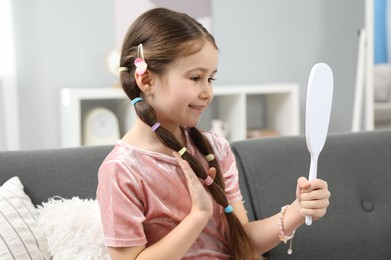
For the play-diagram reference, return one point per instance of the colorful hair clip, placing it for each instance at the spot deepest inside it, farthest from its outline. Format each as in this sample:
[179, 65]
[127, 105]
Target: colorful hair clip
[182, 151]
[120, 69]
[208, 181]
[210, 157]
[141, 65]
[137, 99]
[228, 209]
[155, 126]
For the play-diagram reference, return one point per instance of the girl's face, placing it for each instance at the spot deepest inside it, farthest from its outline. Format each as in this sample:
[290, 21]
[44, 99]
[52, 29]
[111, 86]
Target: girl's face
[185, 90]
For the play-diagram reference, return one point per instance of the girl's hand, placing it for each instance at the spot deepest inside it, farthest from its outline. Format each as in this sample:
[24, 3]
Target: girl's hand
[313, 197]
[200, 198]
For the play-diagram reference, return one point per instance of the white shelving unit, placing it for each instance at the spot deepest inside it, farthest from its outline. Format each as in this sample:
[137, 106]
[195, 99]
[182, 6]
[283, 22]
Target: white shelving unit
[382, 115]
[277, 109]
[75, 103]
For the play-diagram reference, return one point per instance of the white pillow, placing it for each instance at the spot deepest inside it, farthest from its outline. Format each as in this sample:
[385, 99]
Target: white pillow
[73, 228]
[20, 237]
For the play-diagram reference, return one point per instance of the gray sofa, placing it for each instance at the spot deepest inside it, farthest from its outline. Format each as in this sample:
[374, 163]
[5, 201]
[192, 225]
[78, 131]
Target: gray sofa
[357, 167]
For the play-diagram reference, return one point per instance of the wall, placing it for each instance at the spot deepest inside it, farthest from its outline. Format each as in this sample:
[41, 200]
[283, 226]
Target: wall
[59, 44]
[126, 11]
[63, 43]
[3, 143]
[272, 41]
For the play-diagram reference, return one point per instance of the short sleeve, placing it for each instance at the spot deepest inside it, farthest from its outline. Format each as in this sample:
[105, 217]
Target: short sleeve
[228, 166]
[120, 205]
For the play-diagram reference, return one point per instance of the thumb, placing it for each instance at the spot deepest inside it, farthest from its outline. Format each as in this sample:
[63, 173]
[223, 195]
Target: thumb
[302, 183]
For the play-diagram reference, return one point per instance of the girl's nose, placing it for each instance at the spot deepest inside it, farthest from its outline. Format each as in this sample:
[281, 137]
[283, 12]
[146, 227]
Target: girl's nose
[207, 91]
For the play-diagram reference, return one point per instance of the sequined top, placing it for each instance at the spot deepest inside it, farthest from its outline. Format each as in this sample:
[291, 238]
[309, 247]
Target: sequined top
[143, 195]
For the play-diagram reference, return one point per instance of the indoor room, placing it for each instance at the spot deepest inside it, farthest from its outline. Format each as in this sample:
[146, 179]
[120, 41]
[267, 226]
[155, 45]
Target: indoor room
[208, 129]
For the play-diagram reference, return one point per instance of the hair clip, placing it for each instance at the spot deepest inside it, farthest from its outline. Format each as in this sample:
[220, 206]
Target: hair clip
[228, 209]
[141, 65]
[208, 181]
[210, 157]
[120, 69]
[182, 151]
[137, 99]
[155, 126]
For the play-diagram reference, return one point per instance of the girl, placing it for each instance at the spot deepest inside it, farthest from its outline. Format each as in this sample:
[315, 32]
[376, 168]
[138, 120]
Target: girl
[168, 190]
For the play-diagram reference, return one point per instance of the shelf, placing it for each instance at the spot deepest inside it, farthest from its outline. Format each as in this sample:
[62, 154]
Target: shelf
[75, 104]
[246, 108]
[382, 114]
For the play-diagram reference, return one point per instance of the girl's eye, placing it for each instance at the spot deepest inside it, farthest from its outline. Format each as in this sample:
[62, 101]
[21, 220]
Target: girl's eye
[211, 79]
[196, 79]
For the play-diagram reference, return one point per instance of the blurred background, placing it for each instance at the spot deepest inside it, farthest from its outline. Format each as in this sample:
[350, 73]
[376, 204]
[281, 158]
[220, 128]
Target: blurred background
[47, 46]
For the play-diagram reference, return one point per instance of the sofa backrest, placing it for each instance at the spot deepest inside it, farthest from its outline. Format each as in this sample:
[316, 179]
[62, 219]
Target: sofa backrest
[357, 167]
[56, 172]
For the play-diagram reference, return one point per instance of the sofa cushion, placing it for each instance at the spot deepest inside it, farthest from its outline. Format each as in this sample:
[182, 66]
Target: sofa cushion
[20, 237]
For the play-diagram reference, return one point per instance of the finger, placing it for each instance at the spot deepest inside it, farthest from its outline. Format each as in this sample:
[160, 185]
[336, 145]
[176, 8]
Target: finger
[177, 156]
[187, 170]
[183, 163]
[318, 184]
[314, 204]
[315, 184]
[314, 208]
[315, 195]
[303, 183]
[212, 172]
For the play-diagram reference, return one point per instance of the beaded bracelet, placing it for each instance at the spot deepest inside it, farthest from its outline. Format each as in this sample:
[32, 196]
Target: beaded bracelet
[284, 238]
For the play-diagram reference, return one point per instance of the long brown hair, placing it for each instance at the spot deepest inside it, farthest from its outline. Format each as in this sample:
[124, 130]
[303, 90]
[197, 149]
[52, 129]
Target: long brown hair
[167, 35]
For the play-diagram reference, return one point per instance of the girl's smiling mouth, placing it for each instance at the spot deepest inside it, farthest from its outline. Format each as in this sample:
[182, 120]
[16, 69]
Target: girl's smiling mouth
[198, 108]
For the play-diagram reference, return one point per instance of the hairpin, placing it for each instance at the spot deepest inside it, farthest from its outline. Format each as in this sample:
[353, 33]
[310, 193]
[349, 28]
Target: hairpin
[135, 100]
[155, 126]
[120, 69]
[141, 65]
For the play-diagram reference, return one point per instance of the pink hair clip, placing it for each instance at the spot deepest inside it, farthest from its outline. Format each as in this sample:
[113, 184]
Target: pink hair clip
[141, 65]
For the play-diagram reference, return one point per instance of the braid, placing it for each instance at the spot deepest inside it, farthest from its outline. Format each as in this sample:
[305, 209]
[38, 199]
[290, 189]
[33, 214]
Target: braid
[204, 147]
[240, 243]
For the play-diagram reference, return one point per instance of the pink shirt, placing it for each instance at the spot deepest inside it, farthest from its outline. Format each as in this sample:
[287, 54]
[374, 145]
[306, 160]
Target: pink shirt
[143, 195]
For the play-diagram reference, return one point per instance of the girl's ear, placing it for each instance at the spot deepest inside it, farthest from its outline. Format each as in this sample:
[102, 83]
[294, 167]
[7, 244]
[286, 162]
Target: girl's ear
[144, 81]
